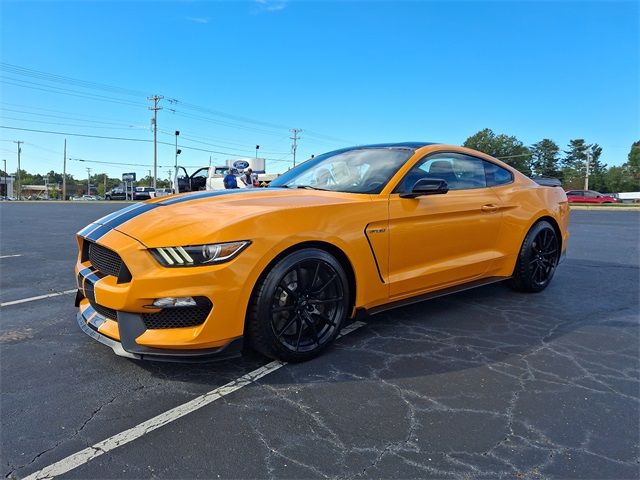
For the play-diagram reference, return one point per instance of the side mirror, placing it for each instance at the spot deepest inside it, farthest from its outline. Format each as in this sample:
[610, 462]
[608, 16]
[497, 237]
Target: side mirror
[427, 186]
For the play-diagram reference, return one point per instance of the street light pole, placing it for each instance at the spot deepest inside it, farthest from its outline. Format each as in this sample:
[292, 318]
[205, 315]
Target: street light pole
[6, 187]
[257, 148]
[177, 133]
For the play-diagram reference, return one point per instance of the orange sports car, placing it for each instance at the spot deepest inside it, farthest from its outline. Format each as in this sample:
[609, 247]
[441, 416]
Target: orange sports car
[357, 230]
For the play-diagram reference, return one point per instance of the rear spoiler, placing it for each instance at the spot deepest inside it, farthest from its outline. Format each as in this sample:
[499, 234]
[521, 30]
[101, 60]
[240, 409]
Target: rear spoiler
[547, 182]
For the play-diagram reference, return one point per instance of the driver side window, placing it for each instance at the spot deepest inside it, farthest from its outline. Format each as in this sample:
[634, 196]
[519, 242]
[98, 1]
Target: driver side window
[461, 172]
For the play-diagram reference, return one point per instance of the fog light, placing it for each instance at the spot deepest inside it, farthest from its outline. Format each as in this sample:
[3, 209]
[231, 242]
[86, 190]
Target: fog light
[169, 302]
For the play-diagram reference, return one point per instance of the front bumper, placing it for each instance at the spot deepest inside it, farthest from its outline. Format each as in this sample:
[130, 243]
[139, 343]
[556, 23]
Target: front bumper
[131, 326]
[114, 302]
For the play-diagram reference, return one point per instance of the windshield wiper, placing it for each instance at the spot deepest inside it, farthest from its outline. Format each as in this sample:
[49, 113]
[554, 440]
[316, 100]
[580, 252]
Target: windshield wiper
[310, 187]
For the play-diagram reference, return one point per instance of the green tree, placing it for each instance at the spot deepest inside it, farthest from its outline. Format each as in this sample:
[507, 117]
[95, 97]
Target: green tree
[503, 147]
[625, 178]
[633, 163]
[545, 158]
[574, 165]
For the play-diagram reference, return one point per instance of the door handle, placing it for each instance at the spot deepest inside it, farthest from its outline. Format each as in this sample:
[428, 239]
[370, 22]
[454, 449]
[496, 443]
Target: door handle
[490, 208]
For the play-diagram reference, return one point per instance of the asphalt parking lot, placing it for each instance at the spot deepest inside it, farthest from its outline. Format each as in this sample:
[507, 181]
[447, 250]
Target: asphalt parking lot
[487, 383]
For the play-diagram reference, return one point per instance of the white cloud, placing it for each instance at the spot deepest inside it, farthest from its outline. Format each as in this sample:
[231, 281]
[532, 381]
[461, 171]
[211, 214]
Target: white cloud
[197, 19]
[271, 5]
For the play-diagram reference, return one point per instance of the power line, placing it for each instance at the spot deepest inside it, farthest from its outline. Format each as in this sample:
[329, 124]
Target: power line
[43, 122]
[48, 77]
[51, 89]
[75, 115]
[16, 69]
[77, 134]
[144, 140]
[48, 115]
[187, 138]
[222, 123]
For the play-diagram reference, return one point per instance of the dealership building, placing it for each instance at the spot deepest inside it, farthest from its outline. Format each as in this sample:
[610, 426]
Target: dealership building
[6, 186]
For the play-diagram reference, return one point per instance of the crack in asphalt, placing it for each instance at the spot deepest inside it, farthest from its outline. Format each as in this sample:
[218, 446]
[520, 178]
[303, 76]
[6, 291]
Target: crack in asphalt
[64, 440]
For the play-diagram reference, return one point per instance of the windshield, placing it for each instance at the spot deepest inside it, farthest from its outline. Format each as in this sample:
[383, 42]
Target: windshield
[363, 170]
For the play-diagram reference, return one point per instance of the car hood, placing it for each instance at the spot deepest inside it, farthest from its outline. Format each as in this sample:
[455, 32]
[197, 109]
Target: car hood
[193, 218]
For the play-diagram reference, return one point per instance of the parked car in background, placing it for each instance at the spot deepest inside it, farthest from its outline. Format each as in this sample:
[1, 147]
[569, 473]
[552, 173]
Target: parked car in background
[143, 193]
[589, 196]
[628, 197]
[161, 192]
[85, 198]
[116, 194]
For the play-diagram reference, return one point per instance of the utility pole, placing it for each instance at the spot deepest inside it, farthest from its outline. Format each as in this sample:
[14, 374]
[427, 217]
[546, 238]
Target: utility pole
[88, 181]
[105, 184]
[18, 172]
[294, 145]
[64, 172]
[586, 178]
[155, 99]
[6, 185]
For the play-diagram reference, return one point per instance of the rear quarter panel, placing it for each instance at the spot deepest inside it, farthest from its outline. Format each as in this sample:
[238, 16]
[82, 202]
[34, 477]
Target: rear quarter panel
[524, 203]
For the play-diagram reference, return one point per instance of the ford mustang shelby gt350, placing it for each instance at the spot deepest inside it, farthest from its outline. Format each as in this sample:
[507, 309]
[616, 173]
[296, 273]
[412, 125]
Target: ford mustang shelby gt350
[283, 268]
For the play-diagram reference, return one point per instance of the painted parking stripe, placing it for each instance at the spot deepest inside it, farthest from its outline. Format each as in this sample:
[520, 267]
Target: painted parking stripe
[10, 256]
[39, 297]
[83, 456]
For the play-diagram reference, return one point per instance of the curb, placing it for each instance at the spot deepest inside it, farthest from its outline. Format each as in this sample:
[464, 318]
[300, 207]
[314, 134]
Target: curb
[607, 209]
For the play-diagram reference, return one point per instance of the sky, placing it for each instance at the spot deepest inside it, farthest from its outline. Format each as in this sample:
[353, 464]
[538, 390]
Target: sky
[236, 74]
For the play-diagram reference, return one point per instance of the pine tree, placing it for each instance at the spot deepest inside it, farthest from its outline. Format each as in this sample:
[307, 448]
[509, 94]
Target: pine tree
[574, 165]
[545, 158]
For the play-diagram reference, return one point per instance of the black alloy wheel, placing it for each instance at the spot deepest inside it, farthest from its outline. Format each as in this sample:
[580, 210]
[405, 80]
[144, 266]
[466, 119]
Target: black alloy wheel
[299, 306]
[537, 260]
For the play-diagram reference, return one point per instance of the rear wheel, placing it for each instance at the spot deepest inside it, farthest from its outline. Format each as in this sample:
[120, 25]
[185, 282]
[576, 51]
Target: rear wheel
[537, 260]
[299, 306]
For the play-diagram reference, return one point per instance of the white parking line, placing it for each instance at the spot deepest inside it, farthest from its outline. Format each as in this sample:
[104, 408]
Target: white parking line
[10, 256]
[83, 456]
[39, 297]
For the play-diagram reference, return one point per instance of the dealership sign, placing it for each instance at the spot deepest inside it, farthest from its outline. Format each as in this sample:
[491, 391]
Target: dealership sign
[240, 164]
[129, 177]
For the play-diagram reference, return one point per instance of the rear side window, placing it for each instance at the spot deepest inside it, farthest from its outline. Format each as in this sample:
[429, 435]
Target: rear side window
[496, 175]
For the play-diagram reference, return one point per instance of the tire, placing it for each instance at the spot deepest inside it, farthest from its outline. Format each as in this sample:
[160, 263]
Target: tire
[299, 306]
[537, 260]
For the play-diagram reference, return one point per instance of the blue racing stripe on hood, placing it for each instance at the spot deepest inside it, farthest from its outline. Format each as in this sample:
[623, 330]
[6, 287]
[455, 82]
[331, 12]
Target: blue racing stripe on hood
[215, 193]
[104, 220]
[96, 230]
[99, 228]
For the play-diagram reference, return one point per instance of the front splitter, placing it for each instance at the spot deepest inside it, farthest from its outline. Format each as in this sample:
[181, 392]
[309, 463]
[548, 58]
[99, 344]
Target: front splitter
[131, 326]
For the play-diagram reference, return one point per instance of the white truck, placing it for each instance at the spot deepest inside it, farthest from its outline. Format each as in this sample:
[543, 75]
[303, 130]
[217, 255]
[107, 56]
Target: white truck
[628, 197]
[211, 178]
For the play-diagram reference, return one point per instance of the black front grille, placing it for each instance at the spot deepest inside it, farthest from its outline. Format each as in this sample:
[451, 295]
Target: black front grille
[109, 313]
[108, 262]
[178, 317]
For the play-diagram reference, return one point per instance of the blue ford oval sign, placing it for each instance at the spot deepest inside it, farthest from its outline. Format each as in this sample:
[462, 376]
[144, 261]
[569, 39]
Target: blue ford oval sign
[240, 164]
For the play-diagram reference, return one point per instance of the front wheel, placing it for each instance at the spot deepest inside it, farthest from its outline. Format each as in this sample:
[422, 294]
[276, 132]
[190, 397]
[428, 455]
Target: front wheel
[537, 260]
[299, 306]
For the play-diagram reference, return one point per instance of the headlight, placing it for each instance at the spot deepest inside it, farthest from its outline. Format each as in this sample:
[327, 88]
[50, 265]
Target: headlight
[197, 255]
